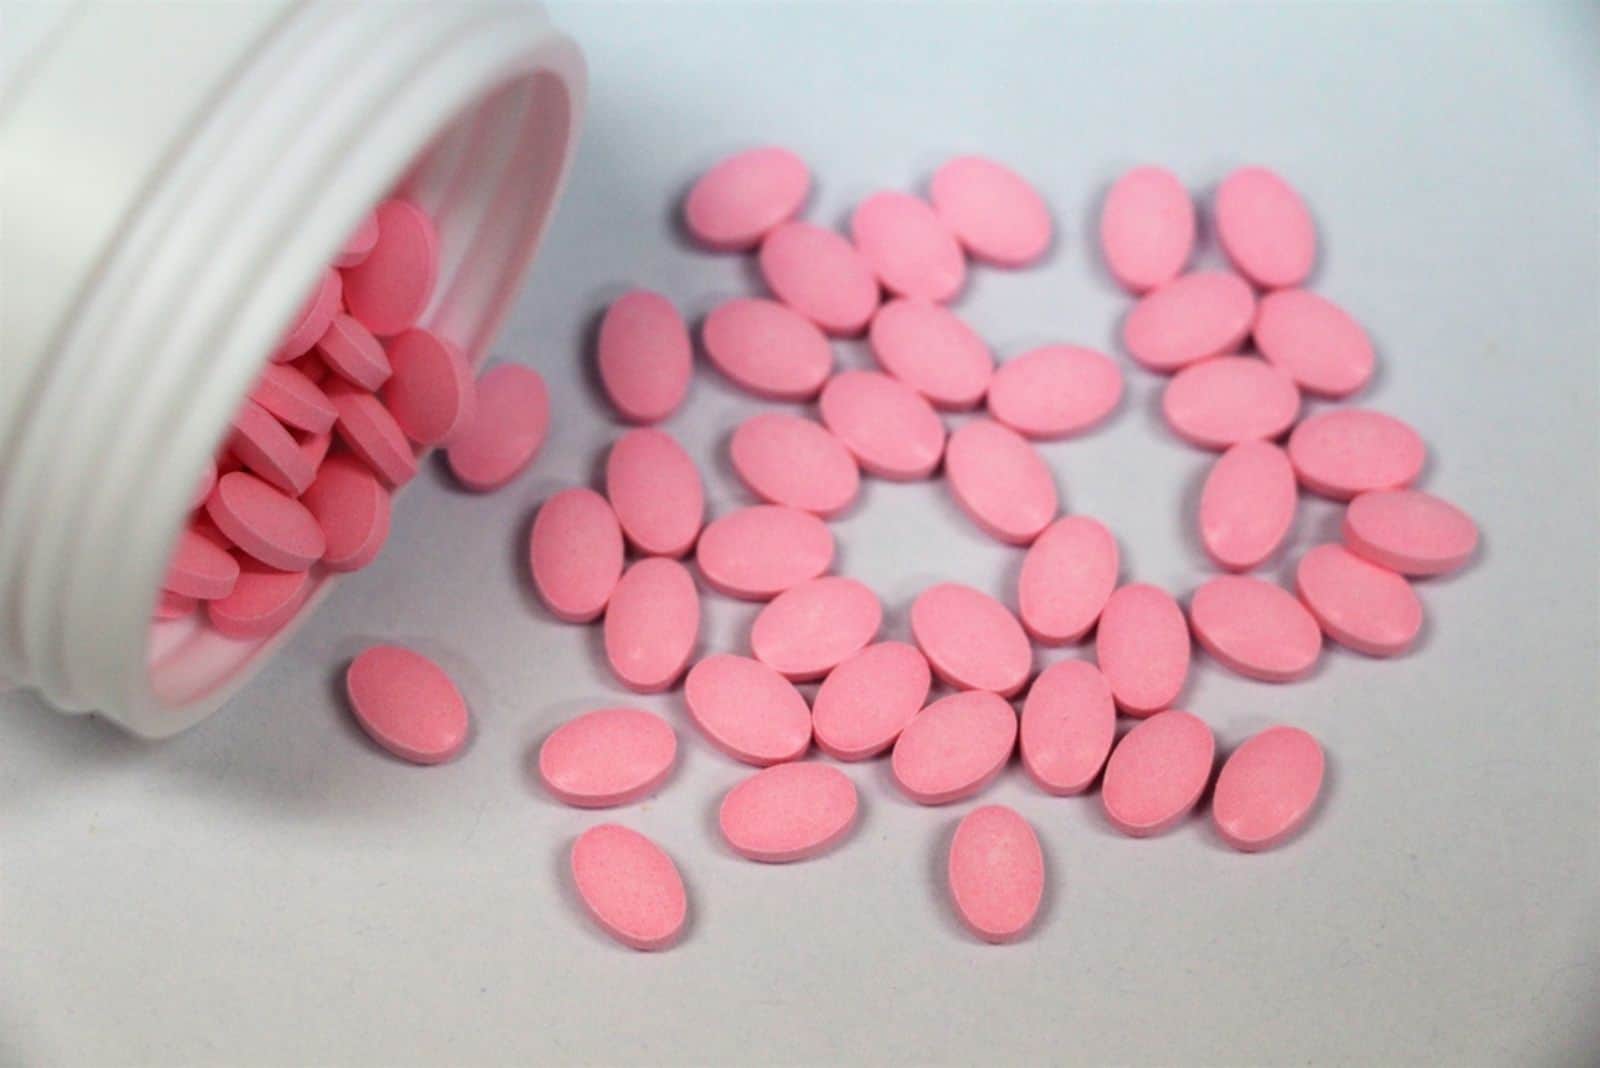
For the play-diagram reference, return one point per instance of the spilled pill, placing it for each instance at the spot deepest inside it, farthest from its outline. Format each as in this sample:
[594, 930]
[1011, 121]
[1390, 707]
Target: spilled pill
[1266, 788]
[785, 459]
[1409, 531]
[656, 491]
[1055, 391]
[407, 704]
[1142, 645]
[1247, 504]
[575, 554]
[268, 450]
[1255, 628]
[820, 275]
[865, 702]
[767, 348]
[1265, 228]
[351, 351]
[506, 432]
[352, 508]
[1191, 318]
[1358, 604]
[431, 392]
[261, 602]
[748, 710]
[285, 392]
[390, 288]
[370, 432]
[892, 431]
[1147, 228]
[908, 246]
[630, 886]
[971, 640]
[1315, 342]
[200, 568]
[930, 349]
[954, 748]
[266, 523]
[788, 812]
[1066, 578]
[652, 623]
[994, 212]
[1000, 481]
[737, 202]
[1068, 724]
[644, 355]
[1157, 773]
[1228, 399]
[809, 629]
[996, 873]
[756, 553]
[1347, 451]
[608, 757]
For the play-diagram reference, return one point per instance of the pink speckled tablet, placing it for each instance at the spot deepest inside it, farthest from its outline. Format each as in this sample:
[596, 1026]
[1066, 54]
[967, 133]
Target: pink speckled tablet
[1054, 391]
[994, 212]
[354, 353]
[1264, 228]
[1147, 228]
[788, 812]
[359, 245]
[865, 702]
[1068, 724]
[1228, 399]
[1143, 647]
[1358, 604]
[287, 394]
[908, 246]
[352, 508]
[1315, 341]
[1409, 531]
[262, 444]
[656, 491]
[820, 275]
[1247, 504]
[407, 704]
[1066, 578]
[1347, 451]
[758, 552]
[507, 432]
[1157, 773]
[200, 568]
[266, 523]
[170, 606]
[263, 600]
[996, 873]
[767, 348]
[1267, 788]
[575, 554]
[315, 314]
[892, 431]
[431, 393]
[644, 356]
[630, 887]
[611, 756]
[971, 641]
[1255, 628]
[1000, 481]
[389, 290]
[370, 432]
[1191, 318]
[955, 747]
[652, 624]
[929, 348]
[785, 459]
[738, 201]
[748, 710]
[807, 630]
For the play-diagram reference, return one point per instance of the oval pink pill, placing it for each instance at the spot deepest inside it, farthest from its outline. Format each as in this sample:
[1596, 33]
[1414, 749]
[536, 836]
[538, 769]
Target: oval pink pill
[1228, 399]
[656, 491]
[1068, 724]
[1066, 578]
[407, 704]
[1255, 628]
[1358, 604]
[352, 508]
[892, 431]
[1267, 788]
[1055, 391]
[630, 886]
[575, 554]
[1157, 773]
[370, 432]
[748, 710]
[315, 314]
[200, 568]
[1265, 228]
[736, 202]
[993, 211]
[757, 553]
[268, 450]
[506, 432]
[1347, 451]
[1191, 318]
[1147, 228]
[955, 747]
[1315, 342]
[611, 756]
[431, 393]
[652, 623]
[820, 275]
[354, 353]
[930, 349]
[908, 246]
[767, 348]
[996, 873]
[789, 812]
[266, 523]
[1409, 531]
[1000, 481]
[809, 629]
[389, 289]
[287, 394]
[1247, 504]
[785, 459]
[1143, 648]
[644, 356]
[865, 702]
[970, 639]
[261, 602]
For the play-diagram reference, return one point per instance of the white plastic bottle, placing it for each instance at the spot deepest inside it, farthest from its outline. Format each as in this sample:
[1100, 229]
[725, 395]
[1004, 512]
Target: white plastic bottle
[173, 177]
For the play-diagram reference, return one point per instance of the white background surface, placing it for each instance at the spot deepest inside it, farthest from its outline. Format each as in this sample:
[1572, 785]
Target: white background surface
[269, 889]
